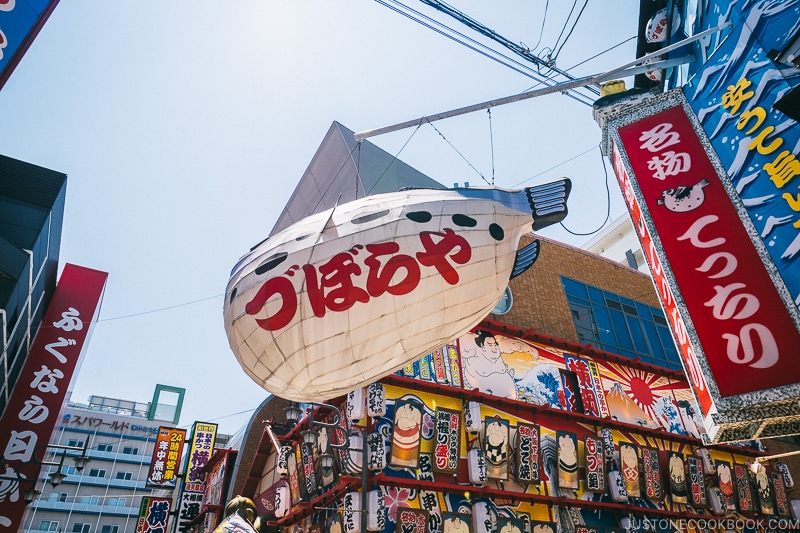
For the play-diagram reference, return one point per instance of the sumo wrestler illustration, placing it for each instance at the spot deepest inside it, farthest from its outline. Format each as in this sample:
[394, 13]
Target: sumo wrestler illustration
[406, 435]
[485, 369]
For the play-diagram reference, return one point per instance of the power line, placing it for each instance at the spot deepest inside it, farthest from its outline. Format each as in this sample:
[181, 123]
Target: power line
[608, 205]
[571, 30]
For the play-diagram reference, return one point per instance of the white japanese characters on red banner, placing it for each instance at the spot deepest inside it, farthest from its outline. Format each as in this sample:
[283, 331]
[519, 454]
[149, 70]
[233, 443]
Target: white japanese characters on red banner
[32, 411]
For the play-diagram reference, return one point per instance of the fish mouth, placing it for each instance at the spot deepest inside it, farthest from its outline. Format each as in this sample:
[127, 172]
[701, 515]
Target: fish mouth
[548, 202]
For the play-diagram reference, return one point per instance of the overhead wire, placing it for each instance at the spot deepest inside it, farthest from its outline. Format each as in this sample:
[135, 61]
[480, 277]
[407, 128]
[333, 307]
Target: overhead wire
[571, 29]
[608, 204]
[555, 45]
[541, 32]
[476, 46]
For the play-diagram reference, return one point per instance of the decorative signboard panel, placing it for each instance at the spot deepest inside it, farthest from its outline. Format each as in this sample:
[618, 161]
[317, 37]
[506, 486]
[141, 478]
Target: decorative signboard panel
[567, 459]
[731, 314]
[447, 439]
[743, 490]
[725, 483]
[527, 453]
[457, 523]
[167, 454]
[697, 481]
[653, 488]
[629, 466]
[406, 435]
[594, 461]
[495, 449]
[412, 521]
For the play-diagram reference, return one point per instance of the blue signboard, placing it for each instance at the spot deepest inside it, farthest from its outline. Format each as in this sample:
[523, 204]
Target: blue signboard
[733, 86]
[20, 22]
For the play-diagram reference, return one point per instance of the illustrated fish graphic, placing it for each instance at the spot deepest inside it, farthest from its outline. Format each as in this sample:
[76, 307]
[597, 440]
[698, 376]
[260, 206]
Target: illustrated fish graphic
[346, 296]
[682, 199]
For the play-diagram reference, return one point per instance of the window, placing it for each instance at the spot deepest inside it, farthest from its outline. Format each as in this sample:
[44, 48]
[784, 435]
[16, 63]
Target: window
[75, 442]
[48, 525]
[109, 529]
[619, 325]
[124, 475]
[67, 470]
[90, 500]
[57, 497]
[130, 450]
[79, 527]
[105, 447]
[97, 472]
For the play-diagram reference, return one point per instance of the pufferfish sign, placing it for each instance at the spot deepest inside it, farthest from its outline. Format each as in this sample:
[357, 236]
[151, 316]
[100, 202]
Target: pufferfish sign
[345, 296]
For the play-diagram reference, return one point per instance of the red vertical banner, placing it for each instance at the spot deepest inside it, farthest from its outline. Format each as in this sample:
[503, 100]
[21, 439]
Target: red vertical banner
[35, 403]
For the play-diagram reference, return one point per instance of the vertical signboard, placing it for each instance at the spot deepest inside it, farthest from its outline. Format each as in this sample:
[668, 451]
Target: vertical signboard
[153, 515]
[166, 457]
[653, 489]
[567, 448]
[447, 441]
[697, 481]
[527, 453]
[35, 403]
[732, 317]
[20, 23]
[202, 447]
[595, 465]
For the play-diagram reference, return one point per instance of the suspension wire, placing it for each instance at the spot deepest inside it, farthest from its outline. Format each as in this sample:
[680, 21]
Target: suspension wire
[459, 153]
[541, 32]
[502, 59]
[491, 141]
[601, 53]
[553, 167]
[367, 193]
[608, 203]
[585, 3]
[322, 196]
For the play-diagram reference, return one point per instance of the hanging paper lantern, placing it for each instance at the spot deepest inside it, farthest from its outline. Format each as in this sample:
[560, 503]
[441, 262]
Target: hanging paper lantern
[376, 510]
[794, 506]
[788, 480]
[376, 453]
[282, 501]
[481, 518]
[282, 465]
[346, 296]
[708, 463]
[376, 400]
[355, 404]
[476, 465]
[717, 501]
[472, 417]
[352, 512]
[616, 483]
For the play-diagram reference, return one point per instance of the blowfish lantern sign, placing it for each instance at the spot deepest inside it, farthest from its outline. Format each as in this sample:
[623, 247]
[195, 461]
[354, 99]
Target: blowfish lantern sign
[348, 295]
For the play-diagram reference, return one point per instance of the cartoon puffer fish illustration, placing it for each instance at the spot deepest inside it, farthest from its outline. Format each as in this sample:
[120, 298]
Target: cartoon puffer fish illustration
[346, 296]
[682, 199]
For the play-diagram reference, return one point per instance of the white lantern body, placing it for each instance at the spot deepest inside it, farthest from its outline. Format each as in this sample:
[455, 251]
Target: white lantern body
[476, 466]
[355, 404]
[282, 464]
[282, 501]
[472, 417]
[783, 468]
[311, 312]
[376, 452]
[481, 518]
[351, 517]
[794, 507]
[616, 485]
[717, 501]
[708, 463]
[376, 400]
[376, 510]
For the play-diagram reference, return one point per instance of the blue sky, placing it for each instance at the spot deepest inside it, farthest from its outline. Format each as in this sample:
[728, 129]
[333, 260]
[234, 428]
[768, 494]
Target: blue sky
[185, 126]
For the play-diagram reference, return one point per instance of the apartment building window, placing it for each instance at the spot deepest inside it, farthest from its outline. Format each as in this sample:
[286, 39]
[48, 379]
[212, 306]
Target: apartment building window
[90, 500]
[109, 529]
[130, 450]
[80, 527]
[48, 525]
[67, 470]
[57, 497]
[124, 475]
[105, 447]
[97, 472]
[116, 502]
[75, 442]
[620, 325]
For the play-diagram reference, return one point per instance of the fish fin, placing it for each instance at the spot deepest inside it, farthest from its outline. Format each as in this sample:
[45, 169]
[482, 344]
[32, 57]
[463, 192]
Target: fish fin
[526, 257]
[549, 202]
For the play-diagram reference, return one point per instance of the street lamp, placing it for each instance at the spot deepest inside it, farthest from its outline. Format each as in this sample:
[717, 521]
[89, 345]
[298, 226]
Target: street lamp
[293, 413]
[56, 477]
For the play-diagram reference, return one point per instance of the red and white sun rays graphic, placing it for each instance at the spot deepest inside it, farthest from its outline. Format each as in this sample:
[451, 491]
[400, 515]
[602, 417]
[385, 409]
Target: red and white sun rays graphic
[643, 387]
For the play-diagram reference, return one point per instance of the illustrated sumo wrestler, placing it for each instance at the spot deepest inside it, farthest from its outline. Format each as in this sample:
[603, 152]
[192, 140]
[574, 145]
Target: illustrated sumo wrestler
[677, 478]
[567, 460]
[496, 449]
[406, 435]
[485, 369]
[453, 523]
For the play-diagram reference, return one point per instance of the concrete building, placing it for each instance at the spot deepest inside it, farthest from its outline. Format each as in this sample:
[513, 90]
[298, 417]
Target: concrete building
[619, 242]
[105, 496]
[31, 217]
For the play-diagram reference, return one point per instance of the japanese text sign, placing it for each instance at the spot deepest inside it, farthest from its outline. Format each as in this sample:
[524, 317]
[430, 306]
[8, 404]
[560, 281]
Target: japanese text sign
[153, 515]
[33, 408]
[199, 454]
[166, 457]
[527, 453]
[723, 305]
[447, 441]
[595, 465]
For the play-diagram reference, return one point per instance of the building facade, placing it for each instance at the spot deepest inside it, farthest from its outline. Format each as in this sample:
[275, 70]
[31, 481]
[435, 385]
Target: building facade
[106, 495]
[31, 217]
[569, 412]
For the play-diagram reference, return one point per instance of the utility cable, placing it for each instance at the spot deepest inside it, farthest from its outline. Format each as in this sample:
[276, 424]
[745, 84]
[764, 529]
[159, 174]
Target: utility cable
[459, 153]
[555, 45]
[608, 204]
[541, 32]
[394, 159]
[553, 167]
[502, 59]
[571, 30]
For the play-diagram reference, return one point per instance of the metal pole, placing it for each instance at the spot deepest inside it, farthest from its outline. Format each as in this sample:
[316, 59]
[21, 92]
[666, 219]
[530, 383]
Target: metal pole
[560, 87]
[364, 480]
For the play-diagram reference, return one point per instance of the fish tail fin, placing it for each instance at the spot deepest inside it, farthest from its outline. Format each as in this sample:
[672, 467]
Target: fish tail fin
[525, 258]
[549, 202]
